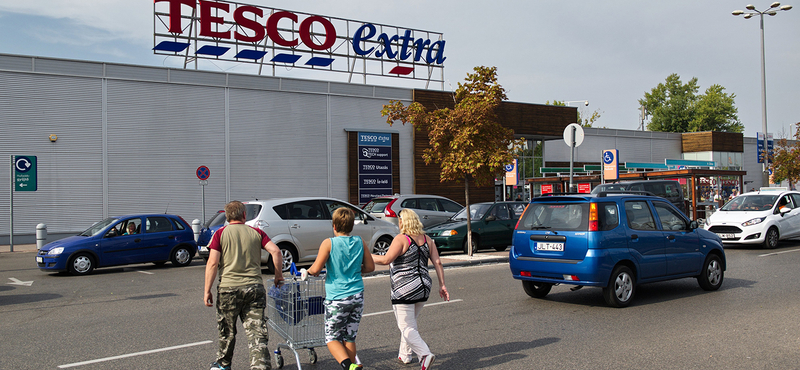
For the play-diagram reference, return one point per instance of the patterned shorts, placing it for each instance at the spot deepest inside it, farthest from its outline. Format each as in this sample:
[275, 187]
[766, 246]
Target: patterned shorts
[342, 317]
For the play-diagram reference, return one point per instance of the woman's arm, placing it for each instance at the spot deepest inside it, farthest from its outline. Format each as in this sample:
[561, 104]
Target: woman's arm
[367, 264]
[437, 264]
[322, 258]
[399, 246]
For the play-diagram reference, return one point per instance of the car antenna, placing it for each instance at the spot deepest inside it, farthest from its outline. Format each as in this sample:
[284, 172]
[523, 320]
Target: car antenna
[165, 211]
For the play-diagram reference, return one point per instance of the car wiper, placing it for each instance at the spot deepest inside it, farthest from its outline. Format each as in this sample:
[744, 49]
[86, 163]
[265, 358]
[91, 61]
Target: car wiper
[540, 227]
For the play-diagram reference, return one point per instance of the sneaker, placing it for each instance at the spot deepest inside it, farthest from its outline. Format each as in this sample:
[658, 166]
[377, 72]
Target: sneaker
[427, 362]
[216, 366]
[356, 367]
[406, 361]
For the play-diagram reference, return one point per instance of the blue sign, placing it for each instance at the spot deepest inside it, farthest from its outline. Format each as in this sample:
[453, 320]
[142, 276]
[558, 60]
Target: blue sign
[375, 152]
[203, 173]
[366, 167]
[366, 195]
[689, 162]
[374, 138]
[375, 181]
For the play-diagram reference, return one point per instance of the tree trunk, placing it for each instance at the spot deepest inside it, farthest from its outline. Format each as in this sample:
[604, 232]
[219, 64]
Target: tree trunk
[469, 217]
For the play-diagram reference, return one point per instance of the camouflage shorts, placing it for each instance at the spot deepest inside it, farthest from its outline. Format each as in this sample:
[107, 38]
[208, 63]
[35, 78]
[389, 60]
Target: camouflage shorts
[246, 303]
[342, 317]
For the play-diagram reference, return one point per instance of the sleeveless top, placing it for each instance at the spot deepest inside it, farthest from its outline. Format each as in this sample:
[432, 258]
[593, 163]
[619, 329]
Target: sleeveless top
[411, 282]
[343, 278]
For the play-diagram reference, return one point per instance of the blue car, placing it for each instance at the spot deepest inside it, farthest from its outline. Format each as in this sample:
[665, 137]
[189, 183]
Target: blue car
[614, 241]
[115, 241]
[209, 228]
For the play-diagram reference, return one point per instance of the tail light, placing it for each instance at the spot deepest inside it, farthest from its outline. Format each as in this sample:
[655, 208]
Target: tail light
[388, 210]
[520, 216]
[593, 219]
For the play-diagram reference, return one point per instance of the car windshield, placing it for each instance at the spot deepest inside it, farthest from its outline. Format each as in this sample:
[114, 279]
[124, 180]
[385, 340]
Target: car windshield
[98, 227]
[476, 211]
[216, 220]
[376, 205]
[556, 216]
[609, 187]
[759, 202]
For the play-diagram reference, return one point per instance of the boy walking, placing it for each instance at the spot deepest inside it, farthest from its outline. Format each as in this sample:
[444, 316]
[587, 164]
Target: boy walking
[344, 257]
[235, 250]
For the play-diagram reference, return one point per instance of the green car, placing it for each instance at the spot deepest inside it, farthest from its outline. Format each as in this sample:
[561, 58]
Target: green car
[492, 227]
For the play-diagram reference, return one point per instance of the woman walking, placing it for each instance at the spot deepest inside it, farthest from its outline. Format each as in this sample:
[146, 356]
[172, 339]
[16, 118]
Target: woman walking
[411, 284]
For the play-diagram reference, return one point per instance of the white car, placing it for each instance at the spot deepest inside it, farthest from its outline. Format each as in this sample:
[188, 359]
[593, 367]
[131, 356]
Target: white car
[762, 217]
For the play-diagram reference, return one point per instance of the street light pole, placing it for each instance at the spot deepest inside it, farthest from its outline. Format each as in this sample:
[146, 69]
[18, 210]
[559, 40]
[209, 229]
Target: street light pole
[771, 11]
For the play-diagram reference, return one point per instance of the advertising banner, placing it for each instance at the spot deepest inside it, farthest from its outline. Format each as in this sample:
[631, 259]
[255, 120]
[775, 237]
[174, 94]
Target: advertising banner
[610, 164]
[374, 165]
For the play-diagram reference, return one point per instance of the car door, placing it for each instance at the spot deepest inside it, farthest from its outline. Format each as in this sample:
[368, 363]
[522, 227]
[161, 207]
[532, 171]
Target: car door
[433, 212]
[498, 226]
[309, 225]
[645, 241]
[682, 245]
[119, 249]
[795, 213]
[361, 226]
[787, 223]
[157, 239]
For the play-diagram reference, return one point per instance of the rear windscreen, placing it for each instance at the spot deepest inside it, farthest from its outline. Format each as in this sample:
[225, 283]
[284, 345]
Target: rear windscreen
[376, 205]
[252, 210]
[559, 217]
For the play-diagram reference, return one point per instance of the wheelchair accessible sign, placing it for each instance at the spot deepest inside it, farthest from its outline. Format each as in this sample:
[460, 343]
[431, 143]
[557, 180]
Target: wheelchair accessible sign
[25, 173]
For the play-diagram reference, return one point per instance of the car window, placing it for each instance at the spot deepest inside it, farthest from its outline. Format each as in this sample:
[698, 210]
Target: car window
[796, 199]
[428, 204]
[98, 227]
[669, 217]
[639, 215]
[251, 211]
[608, 216]
[178, 225]
[672, 190]
[755, 202]
[158, 224]
[516, 209]
[331, 205]
[218, 219]
[500, 211]
[410, 203]
[637, 187]
[376, 205]
[305, 210]
[127, 229]
[785, 202]
[450, 206]
[559, 217]
[608, 187]
[476, 211]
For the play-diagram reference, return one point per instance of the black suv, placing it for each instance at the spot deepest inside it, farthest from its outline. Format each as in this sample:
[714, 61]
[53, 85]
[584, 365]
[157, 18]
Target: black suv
[670, 190]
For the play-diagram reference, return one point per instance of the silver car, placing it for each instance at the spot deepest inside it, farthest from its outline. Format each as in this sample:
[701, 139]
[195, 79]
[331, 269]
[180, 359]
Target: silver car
[432, 209]
[299, 225]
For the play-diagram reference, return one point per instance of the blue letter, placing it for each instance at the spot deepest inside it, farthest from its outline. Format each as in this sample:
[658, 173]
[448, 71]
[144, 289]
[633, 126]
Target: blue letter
[358, 37]
[384, 40]
[420, 45]
[439, 59]
[404, 54]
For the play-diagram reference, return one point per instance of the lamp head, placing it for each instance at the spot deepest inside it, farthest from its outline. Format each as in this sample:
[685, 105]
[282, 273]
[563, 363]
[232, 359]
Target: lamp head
[775, 5]
[738, 12]
[750, 7]
[786, 7]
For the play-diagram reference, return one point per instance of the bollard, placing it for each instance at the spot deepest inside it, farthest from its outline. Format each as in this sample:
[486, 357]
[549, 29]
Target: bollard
[41, 235]
[196, 227]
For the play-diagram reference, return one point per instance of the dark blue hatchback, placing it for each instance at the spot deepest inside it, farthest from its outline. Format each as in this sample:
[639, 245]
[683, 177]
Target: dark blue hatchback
[612, 241]
[156, 238]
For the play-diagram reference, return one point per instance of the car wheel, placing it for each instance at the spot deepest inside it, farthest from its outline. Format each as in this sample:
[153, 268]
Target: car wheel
[475, 244]
[382, 245]
[621, 287]
[771, 239]
[536, 289]
[181, 256]
[712, 274]
[159, 263]
[500, 248]
[81, 264]
[289, 256]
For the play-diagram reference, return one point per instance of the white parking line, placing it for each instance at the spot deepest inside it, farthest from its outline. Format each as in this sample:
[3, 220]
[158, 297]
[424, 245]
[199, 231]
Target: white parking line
[133, 354]
[146, 272]
[777, 253]
[429, 304]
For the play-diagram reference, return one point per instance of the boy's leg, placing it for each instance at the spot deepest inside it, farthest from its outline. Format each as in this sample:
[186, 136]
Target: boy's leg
[341, 326]
[228, 306]
[255, 326]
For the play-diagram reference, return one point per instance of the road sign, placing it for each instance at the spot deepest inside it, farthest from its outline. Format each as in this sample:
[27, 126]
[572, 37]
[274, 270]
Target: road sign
[578, 132]
[25, 173]
[203, 173]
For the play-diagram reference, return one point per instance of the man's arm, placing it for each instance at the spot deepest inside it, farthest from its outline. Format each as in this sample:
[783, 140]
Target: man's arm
[211, 274]
[277, 260]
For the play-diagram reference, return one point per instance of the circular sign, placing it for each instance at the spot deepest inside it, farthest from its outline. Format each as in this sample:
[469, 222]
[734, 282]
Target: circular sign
[22, 164]
[203, 173]
[608, 157]
[568, 132]
[509, 167]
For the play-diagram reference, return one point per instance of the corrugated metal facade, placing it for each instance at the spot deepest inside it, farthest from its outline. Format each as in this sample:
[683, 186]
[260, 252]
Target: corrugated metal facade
[633, 146]
[130, 138]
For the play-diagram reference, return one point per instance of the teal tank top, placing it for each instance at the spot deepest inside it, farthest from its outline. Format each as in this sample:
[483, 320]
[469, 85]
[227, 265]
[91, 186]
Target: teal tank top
[343, 278]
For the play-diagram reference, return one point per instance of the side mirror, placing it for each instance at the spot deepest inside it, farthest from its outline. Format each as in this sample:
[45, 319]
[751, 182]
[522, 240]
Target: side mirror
[693, 225]
[111, 233]
[490, 218]
[784, 211]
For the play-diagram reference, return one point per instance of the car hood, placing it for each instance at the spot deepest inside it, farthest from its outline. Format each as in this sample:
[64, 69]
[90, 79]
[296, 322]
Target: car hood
[447, 225]
[733, 217]
[66, 242]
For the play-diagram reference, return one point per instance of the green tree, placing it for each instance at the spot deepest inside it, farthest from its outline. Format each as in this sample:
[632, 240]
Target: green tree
[785, 163]
[581, 120]
[675, 107]
[466, 141]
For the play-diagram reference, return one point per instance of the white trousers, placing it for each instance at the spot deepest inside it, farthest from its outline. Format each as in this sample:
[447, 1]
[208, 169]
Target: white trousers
[410, 340]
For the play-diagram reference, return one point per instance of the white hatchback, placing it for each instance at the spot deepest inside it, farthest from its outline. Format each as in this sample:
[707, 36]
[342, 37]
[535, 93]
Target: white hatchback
[762, 217]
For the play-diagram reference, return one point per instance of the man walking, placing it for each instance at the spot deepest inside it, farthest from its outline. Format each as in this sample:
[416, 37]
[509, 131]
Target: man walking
[235, 252]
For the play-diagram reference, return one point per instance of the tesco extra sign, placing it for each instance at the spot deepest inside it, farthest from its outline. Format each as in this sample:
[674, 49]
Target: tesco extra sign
[221, 29]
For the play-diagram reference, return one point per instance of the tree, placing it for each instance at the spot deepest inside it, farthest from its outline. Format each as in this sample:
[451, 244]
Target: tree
[585, 122]
[466, 141]
[785, 163]
[675, 107]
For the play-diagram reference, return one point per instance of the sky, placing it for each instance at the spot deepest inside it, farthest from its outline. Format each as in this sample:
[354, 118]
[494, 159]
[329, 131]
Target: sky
[607, 52]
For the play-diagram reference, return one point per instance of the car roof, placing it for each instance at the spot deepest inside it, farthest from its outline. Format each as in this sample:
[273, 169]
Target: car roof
[290, 200]
[596, 197]
[145, 215]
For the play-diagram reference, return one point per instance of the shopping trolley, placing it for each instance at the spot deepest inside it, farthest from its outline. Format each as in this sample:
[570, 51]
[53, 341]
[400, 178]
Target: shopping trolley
[296, 312]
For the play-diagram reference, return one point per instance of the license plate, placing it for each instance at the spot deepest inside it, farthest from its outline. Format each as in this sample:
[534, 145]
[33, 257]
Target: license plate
[39, 260]
[727, 236]
[203, 249]
[551, 247]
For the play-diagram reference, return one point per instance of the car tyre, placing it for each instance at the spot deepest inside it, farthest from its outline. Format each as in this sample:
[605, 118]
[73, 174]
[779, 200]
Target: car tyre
[711, 276]
[500, 248]
[771, 239]
[475, 244]
[289, 256]
[621, 287]
[81, 264]
[382, 245]
[536, 289]
[181, 256]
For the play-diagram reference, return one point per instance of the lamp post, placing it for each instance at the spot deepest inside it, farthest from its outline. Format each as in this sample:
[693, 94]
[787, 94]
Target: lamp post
[585, 102]
[751, 11]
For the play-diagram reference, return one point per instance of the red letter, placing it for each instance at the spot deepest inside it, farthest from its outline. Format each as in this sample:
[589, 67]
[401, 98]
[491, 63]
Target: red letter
[305, 33]
[272, 28]
[175, 13]
[240, 19]
[206, 19]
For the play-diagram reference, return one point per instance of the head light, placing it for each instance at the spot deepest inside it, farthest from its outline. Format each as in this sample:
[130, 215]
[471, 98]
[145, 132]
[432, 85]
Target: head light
[449, 233]
[754, 221]
[55, 251]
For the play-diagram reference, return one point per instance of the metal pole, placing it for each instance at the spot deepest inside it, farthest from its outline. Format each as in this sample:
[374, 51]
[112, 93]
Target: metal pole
[765, 165]
[11, 208]
[571, 157]
[204, 201]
